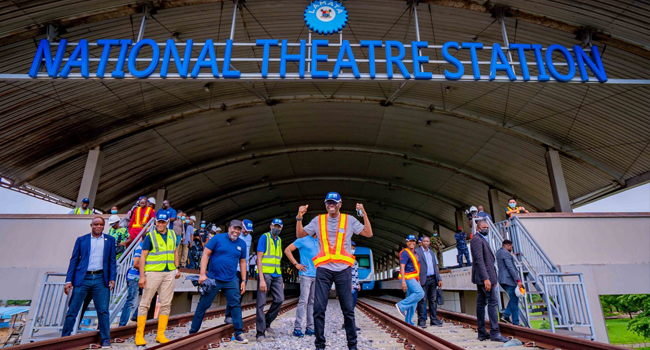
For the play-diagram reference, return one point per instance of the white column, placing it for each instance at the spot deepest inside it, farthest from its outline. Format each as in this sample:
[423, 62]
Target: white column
[558, 185]
[90, 180]
[496, 212]
[160, 197]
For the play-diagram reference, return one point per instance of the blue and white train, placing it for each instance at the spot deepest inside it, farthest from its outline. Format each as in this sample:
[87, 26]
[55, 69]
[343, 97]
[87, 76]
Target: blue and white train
[366, 267]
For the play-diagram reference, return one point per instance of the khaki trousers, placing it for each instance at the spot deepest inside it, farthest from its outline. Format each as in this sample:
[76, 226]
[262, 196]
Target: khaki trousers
[182, 254]
[161, 282]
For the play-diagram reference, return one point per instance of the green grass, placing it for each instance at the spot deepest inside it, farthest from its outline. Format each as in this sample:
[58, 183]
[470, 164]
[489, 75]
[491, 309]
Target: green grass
[619, 334]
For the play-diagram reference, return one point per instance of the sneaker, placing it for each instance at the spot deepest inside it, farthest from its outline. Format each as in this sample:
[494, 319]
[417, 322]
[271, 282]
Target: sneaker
[310, 332]
[106, 344]
[298, 333]
[399, 311]
[505, 319]
[260, 338]
[500, 338]
[240, 340]
[422, 325]
[483, 338]
[358, 330]
[270, 330]
[228, 320]
[436, 323]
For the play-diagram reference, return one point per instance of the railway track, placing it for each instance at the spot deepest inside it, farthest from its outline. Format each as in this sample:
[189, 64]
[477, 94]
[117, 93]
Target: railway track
[459, 332]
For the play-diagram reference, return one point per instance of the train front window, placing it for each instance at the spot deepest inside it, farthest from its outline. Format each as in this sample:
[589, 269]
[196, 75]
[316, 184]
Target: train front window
[364, 261]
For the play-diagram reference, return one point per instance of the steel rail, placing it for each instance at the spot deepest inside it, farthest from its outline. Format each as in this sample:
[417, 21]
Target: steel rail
[540, 338]
[412, 337]
[83, 340]
[208, 338]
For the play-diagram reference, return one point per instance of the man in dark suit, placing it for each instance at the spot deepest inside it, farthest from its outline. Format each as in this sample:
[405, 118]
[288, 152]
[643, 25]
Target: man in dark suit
[509, 280]
[92, 270]
[430, 282]
[485, 277]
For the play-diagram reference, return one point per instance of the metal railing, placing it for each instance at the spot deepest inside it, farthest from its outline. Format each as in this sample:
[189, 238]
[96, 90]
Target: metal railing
[567, 291]
[52, 303]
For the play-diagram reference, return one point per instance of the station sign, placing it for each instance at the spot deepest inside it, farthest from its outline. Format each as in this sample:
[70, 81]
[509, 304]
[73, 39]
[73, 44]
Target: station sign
[402, 60]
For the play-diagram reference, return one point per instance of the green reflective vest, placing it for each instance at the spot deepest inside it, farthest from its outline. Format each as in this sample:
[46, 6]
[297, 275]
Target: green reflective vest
[162, 254]
[79, 211]
[272, 256]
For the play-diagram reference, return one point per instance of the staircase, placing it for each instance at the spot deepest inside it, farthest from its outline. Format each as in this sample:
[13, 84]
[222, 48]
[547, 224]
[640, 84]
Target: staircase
[52, 303]
[562, 295]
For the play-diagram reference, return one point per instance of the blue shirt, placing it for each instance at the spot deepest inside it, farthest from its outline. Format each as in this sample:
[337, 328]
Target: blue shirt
[171, 213]
[461, 240]
[225, 257]
[482, 214]
[248, 239]
[405, 258]
[261, 247]
[431, 270]
[134, 274]
[147, 244]
[189, 232]
[96, 259]
[308, 247]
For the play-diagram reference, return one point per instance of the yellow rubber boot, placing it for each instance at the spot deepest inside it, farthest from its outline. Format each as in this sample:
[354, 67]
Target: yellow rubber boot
[162, 326]
[139, 333]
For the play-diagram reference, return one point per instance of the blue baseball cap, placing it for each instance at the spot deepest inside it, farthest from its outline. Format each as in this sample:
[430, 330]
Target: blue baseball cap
[354, 245]
[248, 225]
[85, 200]
[333, 196]
[277, 222]
[162, 217]
[410, 238]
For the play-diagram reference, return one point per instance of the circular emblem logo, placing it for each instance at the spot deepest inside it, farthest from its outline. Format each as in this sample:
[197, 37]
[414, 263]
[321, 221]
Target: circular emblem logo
[326, 17]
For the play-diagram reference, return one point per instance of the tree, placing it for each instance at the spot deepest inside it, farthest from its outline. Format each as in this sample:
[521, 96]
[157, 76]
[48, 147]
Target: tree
[641, 323]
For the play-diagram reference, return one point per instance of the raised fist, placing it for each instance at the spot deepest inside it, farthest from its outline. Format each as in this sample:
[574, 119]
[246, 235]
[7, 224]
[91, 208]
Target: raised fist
[302, 210]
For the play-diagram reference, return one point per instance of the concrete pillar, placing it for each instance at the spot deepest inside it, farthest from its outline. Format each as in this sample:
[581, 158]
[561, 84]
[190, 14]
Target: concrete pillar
[496, 212]
[436, 227]
[160, 197]
[460, 219]
[199, 215]
[90, 180]
[558, 185]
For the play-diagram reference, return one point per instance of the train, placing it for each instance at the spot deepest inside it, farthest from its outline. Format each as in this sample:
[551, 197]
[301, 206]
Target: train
[366, 267]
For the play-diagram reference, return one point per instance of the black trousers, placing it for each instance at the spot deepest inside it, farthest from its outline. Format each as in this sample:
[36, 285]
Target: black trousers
[275, 287]
[431, 297]
[489, 299]
[343, 283]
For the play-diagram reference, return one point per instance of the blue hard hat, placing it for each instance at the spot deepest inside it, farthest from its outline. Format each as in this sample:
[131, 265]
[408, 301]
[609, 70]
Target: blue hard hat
[162, 217]
[333, 196]
[354, 245]
[248, 225]
[410, 238]
[85, 200]
[277, 222]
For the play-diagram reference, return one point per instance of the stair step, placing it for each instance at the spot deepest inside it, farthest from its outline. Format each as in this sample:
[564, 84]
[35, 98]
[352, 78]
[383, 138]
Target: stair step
[533, 292]
[537, 304]
[538, 317]
[539, 309]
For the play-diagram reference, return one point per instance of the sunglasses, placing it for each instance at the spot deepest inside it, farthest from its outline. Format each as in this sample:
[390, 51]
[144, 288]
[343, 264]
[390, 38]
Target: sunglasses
[331, 202]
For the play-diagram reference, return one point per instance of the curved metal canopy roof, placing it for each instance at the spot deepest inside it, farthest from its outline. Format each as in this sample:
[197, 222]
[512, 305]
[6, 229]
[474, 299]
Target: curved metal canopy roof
[262, 149]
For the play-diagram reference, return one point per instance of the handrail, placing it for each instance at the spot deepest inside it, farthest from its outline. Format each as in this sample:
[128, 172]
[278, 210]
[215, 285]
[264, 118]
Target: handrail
[571, 297]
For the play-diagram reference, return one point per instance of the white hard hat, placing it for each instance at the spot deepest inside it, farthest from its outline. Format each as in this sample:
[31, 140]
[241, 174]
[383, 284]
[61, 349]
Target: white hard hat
[151, 200]
[213, 228]
[113, 219]
[473, 208]
[193, 218]
[218, 229]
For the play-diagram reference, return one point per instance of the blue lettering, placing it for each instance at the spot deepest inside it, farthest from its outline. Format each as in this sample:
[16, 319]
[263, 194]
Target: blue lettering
[346, 49]
[522, 58]
[78, 59]
[44, 53]
[474, 57]
[208, 49]
[106, 53]
[183, 66]
[595, 67]
[315, 58]
[118, 73]
[418, 60]
[267, 43]
[497, 54]
[569, 60]
[371, 44]
[227, 73]
[397, 60]
[453, 60]
[537, 48]
[134, 55]
[284, 58]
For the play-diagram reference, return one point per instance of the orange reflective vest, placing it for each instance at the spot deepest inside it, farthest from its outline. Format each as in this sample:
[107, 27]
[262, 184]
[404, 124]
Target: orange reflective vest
[516, 209]
[414, 274]
[336, 253]
[140, 217]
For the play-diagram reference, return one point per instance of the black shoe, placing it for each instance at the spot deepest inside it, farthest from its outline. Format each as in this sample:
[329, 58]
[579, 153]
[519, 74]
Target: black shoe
[422, 325]
[505, 319]
[500, 338]
[358, 329]
[483, 338]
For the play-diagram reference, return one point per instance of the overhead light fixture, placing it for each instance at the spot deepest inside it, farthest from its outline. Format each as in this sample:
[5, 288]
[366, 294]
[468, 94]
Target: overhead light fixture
[255, 164]
[207, 87]
[264, 178]
[428, 123]
[243, 145]
[176, 36]
[228, 122]
[447, 89]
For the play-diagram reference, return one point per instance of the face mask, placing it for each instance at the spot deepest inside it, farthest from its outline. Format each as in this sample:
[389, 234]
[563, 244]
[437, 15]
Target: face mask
[182, 217]
[435, 235]
[484, 231]
[202, 225]
[113, 211]
[275, 231]
[187, 221]
[353, 250]
[512, 205]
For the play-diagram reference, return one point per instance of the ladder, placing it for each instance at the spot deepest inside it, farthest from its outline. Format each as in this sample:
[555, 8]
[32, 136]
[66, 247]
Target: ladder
[52, 303]
[562, 295]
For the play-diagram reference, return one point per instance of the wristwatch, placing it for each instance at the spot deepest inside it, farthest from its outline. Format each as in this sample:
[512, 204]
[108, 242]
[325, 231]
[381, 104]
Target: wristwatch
[298, 218]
